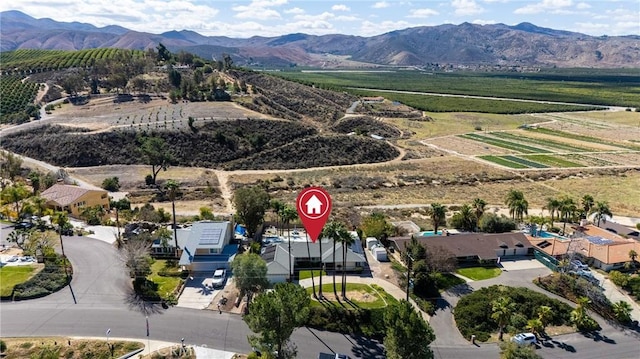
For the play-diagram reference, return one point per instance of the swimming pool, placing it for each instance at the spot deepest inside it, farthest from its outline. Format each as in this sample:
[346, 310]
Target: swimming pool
[429, 234]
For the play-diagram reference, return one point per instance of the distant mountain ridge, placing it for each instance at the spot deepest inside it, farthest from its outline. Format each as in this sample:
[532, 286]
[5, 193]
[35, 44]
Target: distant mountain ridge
[524, 44]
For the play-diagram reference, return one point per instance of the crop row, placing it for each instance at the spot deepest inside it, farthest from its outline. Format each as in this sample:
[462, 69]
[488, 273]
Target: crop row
[504, 144]
[45, 60]
[524, 162]
[553, 161]
[16, 96]
[434, 103]
[584, 138]
[543, 142]
[590, 160]
[602, 87]
[503, 162]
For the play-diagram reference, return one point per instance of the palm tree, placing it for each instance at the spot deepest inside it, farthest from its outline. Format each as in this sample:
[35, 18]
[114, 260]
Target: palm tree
[347, 240]
[61, 220]
[479, 206]
[313, 281]
[602, 211]
[172, 188]
[587, 203]
[518, 205]
[622, 311]
[289, 214]
[469, 219]
[552, 206]
[277, 207]
[501, 309]
[567, 209]
[40, 205]
[438, 214]
[535, 326]
[579, 314]
[633, 255]
[545, 315]
[335, 231]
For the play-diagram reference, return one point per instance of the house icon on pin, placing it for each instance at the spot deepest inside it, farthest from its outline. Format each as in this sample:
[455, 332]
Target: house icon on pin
[314, 205]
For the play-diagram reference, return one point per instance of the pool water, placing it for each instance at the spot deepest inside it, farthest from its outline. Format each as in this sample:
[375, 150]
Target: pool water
[430, 234]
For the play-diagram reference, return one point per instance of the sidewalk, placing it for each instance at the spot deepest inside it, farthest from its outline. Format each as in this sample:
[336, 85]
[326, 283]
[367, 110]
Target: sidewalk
[388, 287]
[614, 294]
[151, 346]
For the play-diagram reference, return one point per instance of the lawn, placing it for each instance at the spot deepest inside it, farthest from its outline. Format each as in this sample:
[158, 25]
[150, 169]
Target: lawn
[10, 276]
[305, 274]
[71, 348]
[479, 273]
[166, 284]
[359, 295]
[445, 281]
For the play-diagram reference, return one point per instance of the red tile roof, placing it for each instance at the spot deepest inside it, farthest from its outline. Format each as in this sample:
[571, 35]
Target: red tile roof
[63, 194]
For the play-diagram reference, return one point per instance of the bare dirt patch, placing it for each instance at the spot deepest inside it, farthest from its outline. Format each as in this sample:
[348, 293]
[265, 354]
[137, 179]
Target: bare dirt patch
[353, 295]
[466, 146]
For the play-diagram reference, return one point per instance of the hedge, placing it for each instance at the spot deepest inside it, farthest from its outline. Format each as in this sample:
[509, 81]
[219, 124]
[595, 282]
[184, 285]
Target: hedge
[51, 279]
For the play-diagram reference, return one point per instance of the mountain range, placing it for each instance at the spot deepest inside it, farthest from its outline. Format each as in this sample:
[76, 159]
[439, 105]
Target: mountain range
[524, 44]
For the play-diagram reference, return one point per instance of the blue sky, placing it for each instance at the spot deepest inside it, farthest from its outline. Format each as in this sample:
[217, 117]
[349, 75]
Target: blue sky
[354, 17]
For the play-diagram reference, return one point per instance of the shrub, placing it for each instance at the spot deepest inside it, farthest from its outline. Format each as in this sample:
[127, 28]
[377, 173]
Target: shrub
[491, 223]
[111, 184]
[619, 279]
[51, 279]
[368, 322]
[3, 346]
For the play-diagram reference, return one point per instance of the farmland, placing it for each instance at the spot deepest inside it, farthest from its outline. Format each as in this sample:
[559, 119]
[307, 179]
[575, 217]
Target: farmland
[16, 95]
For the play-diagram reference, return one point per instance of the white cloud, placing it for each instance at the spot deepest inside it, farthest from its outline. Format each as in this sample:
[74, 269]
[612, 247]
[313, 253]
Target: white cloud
[422, 13]
[466, 7]
[583, 6]
[484, 22]
[543, 6]
[308, 17]
[340, 7]
[247, 12]
[381, 5]
[295, 10]
[347, 18]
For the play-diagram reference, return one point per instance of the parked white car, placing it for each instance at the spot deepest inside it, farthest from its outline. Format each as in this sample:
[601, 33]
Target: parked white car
[524, 339]
[219, 277]
[576, 264]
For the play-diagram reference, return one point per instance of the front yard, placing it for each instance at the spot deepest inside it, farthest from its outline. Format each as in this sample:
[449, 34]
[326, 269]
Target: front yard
[167, 277]
[479, 273]
[12, 275]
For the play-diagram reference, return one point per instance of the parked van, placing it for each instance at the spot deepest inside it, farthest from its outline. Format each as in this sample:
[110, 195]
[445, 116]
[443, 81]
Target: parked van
[524, 339]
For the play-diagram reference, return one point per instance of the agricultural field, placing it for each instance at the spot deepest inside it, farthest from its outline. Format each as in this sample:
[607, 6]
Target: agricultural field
[17, 96]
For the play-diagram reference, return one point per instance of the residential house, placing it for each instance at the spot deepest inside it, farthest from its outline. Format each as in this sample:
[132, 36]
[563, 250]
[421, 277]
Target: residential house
[597, 246]
[277, 256]
[619, 229]
[208, 247]
[168, 249]
[74, 199]
[470, 248]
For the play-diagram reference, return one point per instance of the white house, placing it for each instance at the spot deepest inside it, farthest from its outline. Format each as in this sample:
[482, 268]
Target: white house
[208, 247]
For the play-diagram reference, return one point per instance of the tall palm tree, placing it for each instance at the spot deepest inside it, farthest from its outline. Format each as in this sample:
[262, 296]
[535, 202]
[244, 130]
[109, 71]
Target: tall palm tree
[479, 206]
[518, 205]
[277, 207]
[579, 314]
[633, 255]
[289, 214]
[567, 209]
[469, 219]
[545, 314]
[622, 311]
[502, 309]
[61, 220]
[602, 211]
[587, 204]
[347, 240]
[335, 231]
[313, 281]
[552, 206]
[40, 205]
[172, 188]
[438, 214]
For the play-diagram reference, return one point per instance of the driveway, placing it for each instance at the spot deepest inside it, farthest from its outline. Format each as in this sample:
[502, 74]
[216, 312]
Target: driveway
[198, 293]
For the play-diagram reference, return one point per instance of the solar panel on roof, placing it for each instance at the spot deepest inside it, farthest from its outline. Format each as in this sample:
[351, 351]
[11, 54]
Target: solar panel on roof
[210, 236]
[599, 240]
[544, 244]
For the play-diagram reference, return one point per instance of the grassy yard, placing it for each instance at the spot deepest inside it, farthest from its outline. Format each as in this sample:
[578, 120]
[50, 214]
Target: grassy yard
[479, 273]
[166, 284]
[10, 276]
[360, 295]
[445, 281]
[305, 274]
[58, 347]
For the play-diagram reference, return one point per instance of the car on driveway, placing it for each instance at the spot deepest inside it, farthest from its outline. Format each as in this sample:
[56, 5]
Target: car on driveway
[523, 339]
[23, 225]
[577, 265]
[219, 276]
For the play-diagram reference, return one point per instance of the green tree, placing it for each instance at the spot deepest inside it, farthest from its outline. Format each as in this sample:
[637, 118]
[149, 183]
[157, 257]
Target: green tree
[275, 315]
[34, 177]
[438, 213]
[509, 350]
[501, 311]
[289, 214]
[535, 326]
[464, 219]
[173, 187]
[622, 311]
[347, 241]
[376, 225]
[602, 212]
[277, 206]
[408, 336]
[580, 318]
[163, 53]
[61, 219]
[206, 214]
[567, 209]
[518, 205]
[587, 203]
[93, 215]
[251, 204]
[250, 274]
[10, 166]
[633, 255]
[337, 232]
[545, 314]
[552, 205]
[156, 154]
[136, 258]
[19, 237]
[479, 206]
[15, 194]
[111, 184]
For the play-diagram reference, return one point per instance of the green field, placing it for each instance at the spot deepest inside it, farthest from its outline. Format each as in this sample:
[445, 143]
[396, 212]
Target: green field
[504, 144]
[559, 146]
[10, 276]
[584, 138]
[524, 162]
[503, 162]
[596, 86]
[552, 161]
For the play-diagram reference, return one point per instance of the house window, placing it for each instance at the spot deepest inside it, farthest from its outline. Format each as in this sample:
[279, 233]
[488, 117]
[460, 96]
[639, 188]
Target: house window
[214, 251]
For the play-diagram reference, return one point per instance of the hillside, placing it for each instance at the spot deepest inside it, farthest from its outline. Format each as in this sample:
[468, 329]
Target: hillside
[470, 44]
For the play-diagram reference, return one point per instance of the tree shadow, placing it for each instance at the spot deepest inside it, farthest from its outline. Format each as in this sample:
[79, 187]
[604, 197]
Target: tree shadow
[139, 303]
[367, 348]
[597, 337]
[562, 345]
[460, 290]
[442, 304]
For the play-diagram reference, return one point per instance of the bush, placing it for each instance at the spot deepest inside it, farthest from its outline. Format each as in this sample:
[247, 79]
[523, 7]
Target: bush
[619, 279]
[111, 184]
[3, 346]
[51, 279]
[491, 223]
[367, 322]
